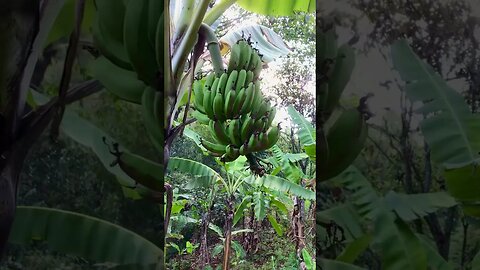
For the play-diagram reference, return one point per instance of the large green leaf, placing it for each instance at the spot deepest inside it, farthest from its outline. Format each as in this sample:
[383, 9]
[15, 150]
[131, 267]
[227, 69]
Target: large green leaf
[278, 8]
[464, 185]
[306, 132]
[355, 249]
[260, 205]
[450, 129]
[239, 211]
[281, 184]
[435, 261]
[336, 265]
[204, 175]
[345, 216]
[399, 246]
[276, 226]
[268, 43]
[412, 206]
[363, 196]
[81, 235]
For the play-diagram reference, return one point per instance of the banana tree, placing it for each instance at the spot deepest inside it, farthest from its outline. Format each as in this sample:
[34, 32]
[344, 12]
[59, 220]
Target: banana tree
[85, 236]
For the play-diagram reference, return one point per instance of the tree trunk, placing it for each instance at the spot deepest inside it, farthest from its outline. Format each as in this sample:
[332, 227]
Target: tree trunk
[228, 233]
[298, 225]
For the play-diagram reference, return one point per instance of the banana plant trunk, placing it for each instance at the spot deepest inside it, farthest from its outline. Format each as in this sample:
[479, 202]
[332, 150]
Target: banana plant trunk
[298, 225]
[228, 233]
[204, 254]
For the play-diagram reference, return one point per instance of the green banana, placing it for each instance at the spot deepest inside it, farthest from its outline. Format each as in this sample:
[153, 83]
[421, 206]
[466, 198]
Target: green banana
[253, 62]
[121, 82]
[247, 128]
[234, 132]
[248, 103]
[258, 69]
[342, 71]
[213, 147]
[198, 96]
[249, 78]
[245, 51]
[271, 116]
[243, 150]
[273, 133]
[209, 81]
[242, 76]
[207, 105]
[107, 31]
[140, 53]
[257, 98]
[229, 102]
[239, 100]
[259, 125]
[218, 111]
[349, 127]
[202, 118]
[142, 170]
[219, 131]
[222, 83]
[234, 61]
[152, 123]
[232, 80]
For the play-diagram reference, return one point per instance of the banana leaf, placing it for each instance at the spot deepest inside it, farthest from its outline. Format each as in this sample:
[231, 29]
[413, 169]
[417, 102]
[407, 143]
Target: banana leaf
[204, 175]
[306, 132]
[91, 238]
[413, 206]
[337, 265]
[281, 184]
[278, 8]
[355, 249]
[450, 129]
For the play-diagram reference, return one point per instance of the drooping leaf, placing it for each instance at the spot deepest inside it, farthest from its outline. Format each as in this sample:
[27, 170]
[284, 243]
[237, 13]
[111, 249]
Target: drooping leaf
[413, 206]
[296, 157]
[192, 135]
[307, 258]
[276, 226]
[450, 129]
[282, 185]
[355, 249]
[239, 251]
[311, 151]
[239, 211]
[204, 175]
[435, 261]
[278, 8]
[306, 132]
[337, 265]
[396, 240]
[346, 217]
[265, 40]
[363, 196]
[260, 205]
[82, 235]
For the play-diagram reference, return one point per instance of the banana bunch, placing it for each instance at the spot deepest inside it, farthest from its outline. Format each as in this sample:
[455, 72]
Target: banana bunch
[233, 107]
[129, 36]
[344, 140]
